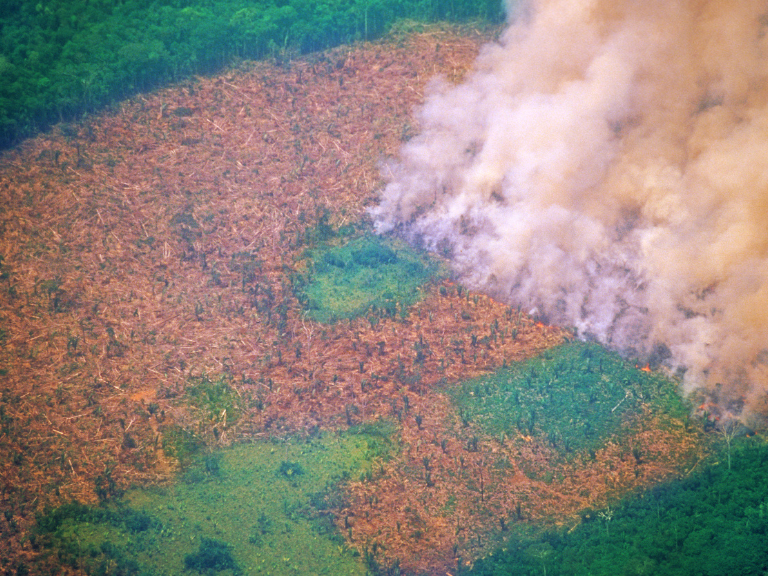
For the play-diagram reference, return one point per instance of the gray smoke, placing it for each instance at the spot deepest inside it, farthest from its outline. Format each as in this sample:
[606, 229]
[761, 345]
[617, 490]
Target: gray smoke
[606, 164]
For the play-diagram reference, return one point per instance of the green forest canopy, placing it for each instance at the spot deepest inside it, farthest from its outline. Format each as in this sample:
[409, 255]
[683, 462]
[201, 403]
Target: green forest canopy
[62, 58]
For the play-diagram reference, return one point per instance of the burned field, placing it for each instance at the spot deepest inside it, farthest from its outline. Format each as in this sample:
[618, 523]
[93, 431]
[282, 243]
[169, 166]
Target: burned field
[194, 271]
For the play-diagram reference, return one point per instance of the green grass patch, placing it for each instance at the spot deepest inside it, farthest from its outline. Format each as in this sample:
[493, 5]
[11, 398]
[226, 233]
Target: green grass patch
[575, 396]
[262, 508]
[367, 273]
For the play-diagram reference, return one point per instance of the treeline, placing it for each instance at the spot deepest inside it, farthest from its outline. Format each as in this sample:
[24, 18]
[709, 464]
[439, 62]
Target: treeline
[62, 58]
[712, 523]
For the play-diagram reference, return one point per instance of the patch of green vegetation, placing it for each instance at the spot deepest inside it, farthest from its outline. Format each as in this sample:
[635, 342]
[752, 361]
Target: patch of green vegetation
[215, 397]
[290, 469]
[97, 539]
[181, 444]
[267, 509]
[711, 523]
[575, 396]
[213, 556]
[379, 436]
[367, 273]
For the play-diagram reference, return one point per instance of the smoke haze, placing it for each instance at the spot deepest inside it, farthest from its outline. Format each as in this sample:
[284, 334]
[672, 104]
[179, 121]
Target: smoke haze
[606, 164]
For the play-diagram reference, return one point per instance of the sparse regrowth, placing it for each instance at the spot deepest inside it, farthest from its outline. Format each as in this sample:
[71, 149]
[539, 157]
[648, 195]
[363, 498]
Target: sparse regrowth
[367, 273]
[575, 397]
[267, 509]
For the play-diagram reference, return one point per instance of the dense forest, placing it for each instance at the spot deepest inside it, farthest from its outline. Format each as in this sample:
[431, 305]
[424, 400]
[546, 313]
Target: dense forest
[62, 58]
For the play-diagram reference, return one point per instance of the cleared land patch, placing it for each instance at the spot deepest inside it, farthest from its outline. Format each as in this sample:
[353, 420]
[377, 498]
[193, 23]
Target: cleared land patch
[152, 315]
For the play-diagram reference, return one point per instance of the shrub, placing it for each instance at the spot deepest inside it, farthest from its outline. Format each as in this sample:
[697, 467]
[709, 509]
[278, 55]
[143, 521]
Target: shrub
[212, 556]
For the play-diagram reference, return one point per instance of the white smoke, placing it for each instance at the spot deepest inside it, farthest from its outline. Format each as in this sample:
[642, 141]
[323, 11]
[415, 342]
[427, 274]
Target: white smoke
[606, 163]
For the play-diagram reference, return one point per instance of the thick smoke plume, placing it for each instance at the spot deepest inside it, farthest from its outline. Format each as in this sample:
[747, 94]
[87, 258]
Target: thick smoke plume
[606, 164]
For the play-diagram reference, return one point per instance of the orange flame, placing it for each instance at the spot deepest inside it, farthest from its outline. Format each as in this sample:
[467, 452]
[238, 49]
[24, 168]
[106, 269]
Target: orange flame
[706, 409]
